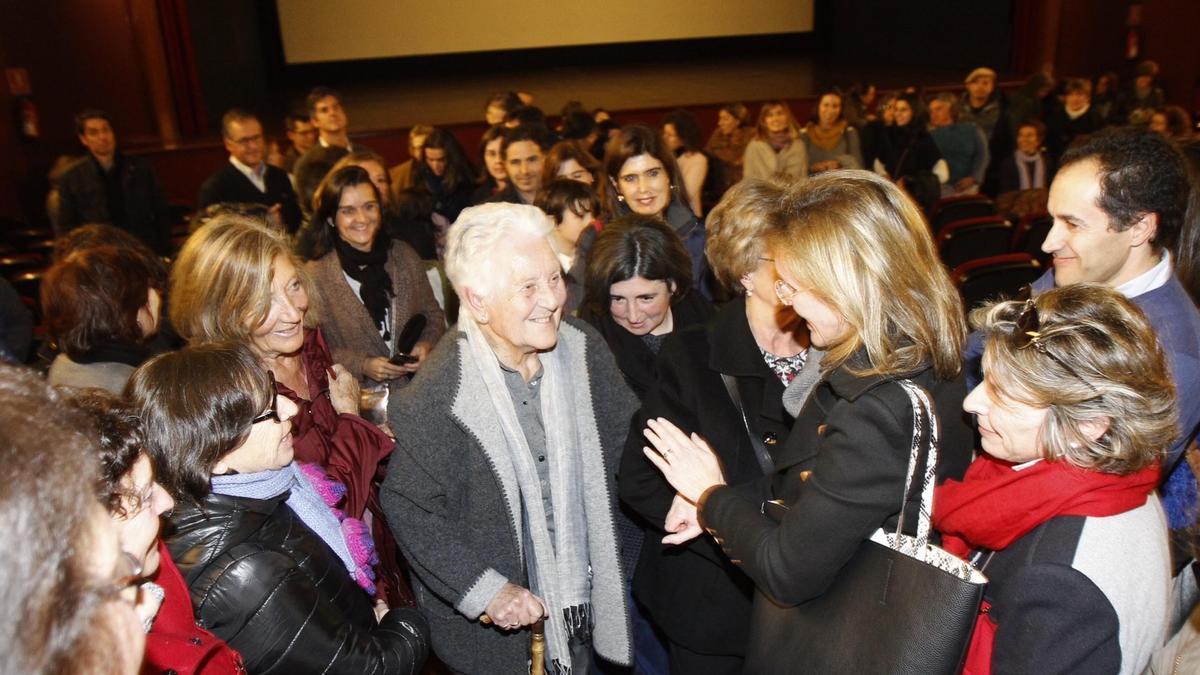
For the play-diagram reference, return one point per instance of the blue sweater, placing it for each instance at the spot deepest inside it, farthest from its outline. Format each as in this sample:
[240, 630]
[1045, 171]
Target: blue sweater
[964, 148]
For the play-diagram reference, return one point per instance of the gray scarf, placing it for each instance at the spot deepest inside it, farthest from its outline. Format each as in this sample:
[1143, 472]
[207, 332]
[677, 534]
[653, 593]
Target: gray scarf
[797, 392]
[558, 570]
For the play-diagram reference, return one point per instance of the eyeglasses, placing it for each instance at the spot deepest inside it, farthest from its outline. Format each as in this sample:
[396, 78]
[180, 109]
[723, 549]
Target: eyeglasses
[273, 413]
[784, 291]
[1029, 325]
[126, 585]
[248, 140]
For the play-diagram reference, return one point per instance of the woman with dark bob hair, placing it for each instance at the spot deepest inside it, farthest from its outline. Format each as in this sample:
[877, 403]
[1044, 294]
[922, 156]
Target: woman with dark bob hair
[135, 501]
[273, 569]
[103, 306]
[67, 602]
[638, 289]
[367, 284]
[643, 178]
[757, 345]
[1075, 413]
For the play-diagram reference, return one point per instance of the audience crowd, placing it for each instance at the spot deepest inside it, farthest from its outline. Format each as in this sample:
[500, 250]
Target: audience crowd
[594, 397]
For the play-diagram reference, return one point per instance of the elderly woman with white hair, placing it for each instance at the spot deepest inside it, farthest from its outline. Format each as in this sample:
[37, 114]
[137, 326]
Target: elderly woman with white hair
[500, 490]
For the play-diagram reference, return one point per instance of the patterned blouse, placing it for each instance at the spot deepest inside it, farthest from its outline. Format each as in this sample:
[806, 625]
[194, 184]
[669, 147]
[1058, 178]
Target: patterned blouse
[785, 367]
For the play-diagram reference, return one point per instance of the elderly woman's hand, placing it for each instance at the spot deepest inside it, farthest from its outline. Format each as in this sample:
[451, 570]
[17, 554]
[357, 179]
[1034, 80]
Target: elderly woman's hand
[514, 607]
[688, 463]
[344, 392]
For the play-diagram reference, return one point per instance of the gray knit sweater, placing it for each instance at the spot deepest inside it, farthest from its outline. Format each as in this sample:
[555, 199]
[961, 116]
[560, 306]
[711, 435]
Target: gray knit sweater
[447, 502]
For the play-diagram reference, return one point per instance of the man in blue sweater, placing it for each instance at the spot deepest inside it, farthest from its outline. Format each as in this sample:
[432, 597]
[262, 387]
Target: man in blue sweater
[1118, 203]
[963, 145]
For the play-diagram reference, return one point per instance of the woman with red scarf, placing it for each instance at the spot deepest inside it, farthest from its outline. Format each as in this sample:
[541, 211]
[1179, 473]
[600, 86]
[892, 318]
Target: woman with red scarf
[1074, 412]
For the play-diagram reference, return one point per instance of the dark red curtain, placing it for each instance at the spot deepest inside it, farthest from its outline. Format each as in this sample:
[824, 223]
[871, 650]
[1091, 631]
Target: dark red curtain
[181, 64]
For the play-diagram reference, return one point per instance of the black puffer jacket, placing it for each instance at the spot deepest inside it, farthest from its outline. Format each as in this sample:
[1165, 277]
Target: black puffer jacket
[266, 584]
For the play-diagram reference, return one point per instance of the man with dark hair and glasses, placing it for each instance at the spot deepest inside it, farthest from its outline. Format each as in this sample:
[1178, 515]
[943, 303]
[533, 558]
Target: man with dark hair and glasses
[247, 178]
[1118, 203]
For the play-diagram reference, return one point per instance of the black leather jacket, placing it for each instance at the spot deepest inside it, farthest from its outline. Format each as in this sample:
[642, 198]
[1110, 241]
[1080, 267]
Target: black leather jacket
[266, 584]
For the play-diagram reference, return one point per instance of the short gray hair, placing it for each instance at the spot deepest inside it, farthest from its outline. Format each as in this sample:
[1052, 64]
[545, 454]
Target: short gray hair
[1098, 357]
[471, 242]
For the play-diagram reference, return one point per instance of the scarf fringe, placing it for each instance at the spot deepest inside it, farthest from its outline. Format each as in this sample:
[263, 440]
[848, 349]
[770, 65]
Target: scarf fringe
[354, 531]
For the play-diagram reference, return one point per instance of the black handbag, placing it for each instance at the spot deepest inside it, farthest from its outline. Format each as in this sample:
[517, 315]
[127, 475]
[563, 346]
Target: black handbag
[900, 605]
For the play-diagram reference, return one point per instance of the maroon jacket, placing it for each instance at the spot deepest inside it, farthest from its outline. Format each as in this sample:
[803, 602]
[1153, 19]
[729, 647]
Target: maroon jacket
[175, 643]
[352, 451]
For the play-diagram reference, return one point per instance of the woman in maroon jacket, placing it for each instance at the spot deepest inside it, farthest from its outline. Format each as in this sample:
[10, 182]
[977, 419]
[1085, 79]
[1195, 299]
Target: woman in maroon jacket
[135, 500]
[237, 280]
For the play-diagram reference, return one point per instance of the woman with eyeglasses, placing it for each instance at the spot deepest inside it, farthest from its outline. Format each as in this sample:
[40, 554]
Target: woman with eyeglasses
[236, 280]
[273, 568]
[1075, 412]
[856, 262]
[135, 501]
[756, 345]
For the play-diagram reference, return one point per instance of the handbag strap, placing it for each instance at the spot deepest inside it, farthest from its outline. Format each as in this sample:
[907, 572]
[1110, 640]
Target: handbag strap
[923, 415]
[760, 449]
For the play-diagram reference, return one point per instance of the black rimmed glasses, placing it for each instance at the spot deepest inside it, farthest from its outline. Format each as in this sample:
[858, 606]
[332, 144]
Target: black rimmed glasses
[273, 412]
[1029, 325]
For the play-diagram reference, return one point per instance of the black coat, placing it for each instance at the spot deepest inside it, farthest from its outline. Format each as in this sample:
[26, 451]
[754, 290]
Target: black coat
[1008, 176]
[261, 580]
[84, 200]
[693, 592]
[853, 436]
[634, 358]
[1061, 130]
[231, 186]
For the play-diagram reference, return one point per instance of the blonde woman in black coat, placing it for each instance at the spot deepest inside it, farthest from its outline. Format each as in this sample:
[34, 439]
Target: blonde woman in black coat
[856, 262]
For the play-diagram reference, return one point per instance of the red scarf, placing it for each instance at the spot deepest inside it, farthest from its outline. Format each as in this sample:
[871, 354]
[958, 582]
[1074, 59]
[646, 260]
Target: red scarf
[994, 505]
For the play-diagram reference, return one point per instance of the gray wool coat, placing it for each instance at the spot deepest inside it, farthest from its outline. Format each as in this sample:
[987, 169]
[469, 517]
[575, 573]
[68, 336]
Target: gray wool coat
[451, 508]
[348, 328]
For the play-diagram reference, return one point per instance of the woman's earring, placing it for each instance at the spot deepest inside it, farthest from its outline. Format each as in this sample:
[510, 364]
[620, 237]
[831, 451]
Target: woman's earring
[749, 292]
[621, 198]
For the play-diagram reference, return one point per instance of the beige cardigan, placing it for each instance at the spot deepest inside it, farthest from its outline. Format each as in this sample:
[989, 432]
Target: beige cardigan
[348, 327]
